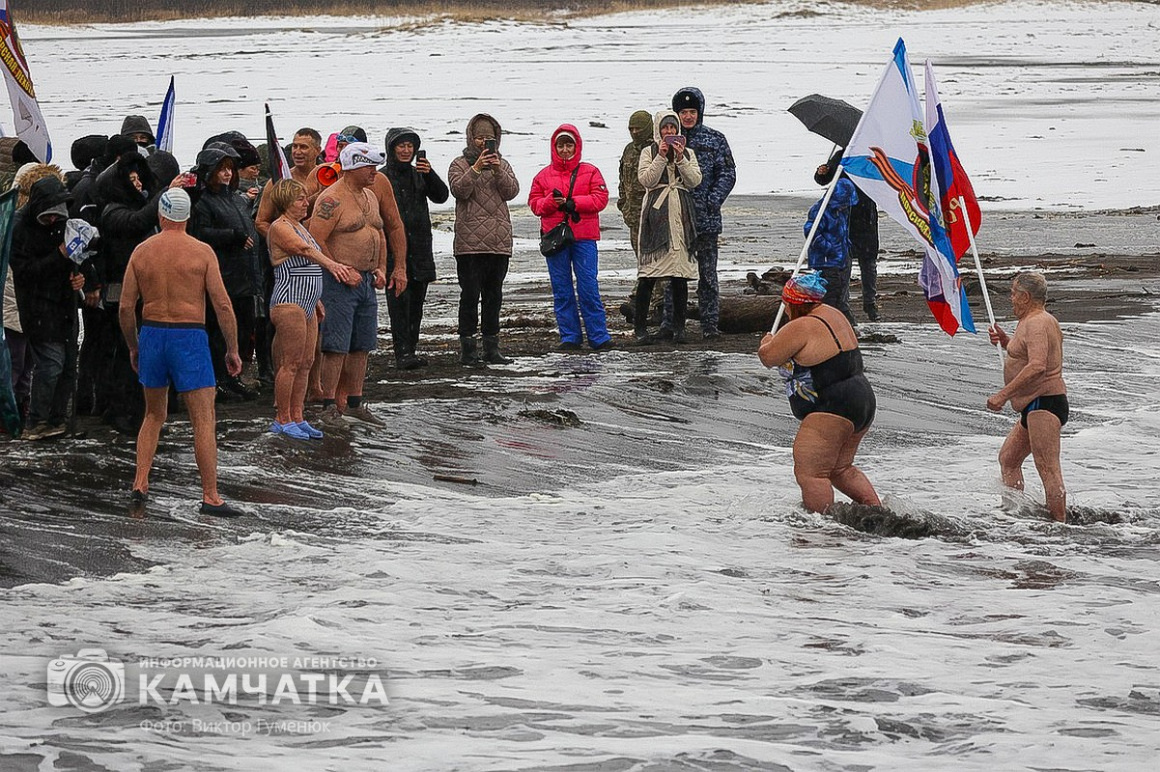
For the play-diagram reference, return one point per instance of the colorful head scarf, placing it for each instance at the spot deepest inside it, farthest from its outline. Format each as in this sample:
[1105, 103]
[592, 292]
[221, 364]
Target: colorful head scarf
[804, 288]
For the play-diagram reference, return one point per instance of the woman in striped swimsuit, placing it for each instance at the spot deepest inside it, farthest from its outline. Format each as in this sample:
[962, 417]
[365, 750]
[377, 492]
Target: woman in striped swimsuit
[296, 305]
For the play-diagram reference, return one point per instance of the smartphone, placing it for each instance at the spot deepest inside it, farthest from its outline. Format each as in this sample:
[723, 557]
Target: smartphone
[420, 155]
[673, 139]
[491, 145]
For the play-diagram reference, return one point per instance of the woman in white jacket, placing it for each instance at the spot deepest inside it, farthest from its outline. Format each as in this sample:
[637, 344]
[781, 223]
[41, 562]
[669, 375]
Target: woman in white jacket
[668, 171]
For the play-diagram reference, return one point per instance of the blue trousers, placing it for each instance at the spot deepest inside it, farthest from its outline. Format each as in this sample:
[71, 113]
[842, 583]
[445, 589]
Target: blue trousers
[579, 258]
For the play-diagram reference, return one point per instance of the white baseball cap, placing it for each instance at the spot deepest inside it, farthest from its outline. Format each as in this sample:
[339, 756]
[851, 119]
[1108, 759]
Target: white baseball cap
[356, 155]
[174, 205]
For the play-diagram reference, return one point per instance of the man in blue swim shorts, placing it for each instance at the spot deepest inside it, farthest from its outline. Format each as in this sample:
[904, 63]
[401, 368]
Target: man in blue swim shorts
[171, 273]
[1033, 378]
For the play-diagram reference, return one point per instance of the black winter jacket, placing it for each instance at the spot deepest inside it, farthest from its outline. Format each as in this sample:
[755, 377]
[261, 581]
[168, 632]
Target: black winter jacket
[41, 274]
[222, 219]
[412, 191]
[127, 216]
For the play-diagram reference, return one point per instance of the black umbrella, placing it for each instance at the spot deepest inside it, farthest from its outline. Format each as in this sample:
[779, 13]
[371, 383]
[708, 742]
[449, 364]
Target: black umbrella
[831, 118]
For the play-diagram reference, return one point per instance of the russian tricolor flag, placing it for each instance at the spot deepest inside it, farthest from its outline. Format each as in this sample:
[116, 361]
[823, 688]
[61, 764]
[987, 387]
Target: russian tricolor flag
[952, 178]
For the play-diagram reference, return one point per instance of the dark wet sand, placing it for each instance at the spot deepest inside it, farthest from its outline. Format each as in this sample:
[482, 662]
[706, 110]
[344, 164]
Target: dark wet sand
[551, 420]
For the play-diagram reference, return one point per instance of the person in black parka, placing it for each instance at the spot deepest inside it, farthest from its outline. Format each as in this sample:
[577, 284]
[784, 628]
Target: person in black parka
[47, 284]
[414, 186]
[222, 219]
[125, 196]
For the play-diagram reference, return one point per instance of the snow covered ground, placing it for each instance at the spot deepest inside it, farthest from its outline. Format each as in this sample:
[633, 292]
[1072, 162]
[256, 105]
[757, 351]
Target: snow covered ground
[1046, 108]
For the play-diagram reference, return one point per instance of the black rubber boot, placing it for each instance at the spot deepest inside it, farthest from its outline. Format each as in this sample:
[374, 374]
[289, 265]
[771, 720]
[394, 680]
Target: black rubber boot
[491, 353]
[468, 354]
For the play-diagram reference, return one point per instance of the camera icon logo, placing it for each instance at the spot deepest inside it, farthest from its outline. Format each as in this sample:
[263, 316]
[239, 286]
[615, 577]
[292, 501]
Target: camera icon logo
[89, 681]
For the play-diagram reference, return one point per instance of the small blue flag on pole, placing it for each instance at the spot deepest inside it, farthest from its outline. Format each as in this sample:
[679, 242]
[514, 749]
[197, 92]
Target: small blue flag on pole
[165, 123]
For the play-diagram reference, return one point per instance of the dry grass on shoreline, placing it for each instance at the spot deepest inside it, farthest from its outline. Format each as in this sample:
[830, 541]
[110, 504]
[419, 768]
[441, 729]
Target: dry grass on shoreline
[104, 11]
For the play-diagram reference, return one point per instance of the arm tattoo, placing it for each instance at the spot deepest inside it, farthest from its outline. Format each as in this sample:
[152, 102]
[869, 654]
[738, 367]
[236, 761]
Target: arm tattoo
[326, 209]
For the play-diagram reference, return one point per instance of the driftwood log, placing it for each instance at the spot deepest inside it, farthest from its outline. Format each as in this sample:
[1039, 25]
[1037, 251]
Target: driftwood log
[749, 308]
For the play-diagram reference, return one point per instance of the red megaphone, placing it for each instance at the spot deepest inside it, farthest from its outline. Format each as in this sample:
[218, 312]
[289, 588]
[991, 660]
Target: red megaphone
[327, 174]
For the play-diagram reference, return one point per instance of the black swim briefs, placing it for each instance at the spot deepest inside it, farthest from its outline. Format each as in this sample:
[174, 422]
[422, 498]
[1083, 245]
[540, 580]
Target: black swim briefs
[1056, 404]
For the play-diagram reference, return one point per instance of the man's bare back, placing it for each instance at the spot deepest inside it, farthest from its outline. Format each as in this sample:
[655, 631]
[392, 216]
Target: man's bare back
[1038, 341]
[172, 272]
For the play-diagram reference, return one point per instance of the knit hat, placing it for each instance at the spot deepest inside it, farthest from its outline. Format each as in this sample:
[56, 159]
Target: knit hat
[670, 120]
[174, 205]
[803, 289]
[356, 155]
[560, 135]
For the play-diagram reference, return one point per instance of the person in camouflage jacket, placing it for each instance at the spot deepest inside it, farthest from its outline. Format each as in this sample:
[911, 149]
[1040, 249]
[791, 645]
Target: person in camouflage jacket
[630, 194]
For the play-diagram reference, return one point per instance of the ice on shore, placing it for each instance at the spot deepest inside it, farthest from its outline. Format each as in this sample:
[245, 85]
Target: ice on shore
[1046, 108]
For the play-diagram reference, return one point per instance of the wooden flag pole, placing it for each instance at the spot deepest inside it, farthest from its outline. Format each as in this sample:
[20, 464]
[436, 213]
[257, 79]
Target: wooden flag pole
[979, 269]
[810, 239]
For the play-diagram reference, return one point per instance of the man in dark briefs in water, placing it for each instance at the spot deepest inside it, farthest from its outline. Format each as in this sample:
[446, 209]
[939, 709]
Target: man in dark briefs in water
[1033, 374]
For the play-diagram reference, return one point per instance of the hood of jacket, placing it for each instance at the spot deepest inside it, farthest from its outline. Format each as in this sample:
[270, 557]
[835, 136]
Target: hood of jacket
[210, 160]
[137, 124]
[247, 153]
[28, 175]
[660, 116]
[397, 135]
[574, 161]
[690, 97]
[470, 152]
[113, 185]
[164, 167]
[640, 128]
[44, 195]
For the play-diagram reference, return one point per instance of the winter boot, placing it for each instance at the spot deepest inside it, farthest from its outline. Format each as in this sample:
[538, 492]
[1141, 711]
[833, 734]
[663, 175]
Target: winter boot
[405, 359]
[491, 353]
[468, 356]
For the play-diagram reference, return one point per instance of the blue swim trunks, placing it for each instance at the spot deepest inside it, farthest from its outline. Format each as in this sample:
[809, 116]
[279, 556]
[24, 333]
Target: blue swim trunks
[352, 315]
[174, 353]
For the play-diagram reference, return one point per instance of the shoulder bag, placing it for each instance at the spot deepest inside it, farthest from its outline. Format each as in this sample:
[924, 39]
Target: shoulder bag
[554, 241]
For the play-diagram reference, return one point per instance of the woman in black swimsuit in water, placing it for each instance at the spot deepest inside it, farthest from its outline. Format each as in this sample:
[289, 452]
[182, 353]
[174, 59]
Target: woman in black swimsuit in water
[817, 355]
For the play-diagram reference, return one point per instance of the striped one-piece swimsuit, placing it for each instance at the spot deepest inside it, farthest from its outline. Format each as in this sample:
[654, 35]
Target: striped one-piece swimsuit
[298, 280]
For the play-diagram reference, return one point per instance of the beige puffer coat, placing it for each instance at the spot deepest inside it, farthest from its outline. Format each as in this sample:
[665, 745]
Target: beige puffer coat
[483, 224]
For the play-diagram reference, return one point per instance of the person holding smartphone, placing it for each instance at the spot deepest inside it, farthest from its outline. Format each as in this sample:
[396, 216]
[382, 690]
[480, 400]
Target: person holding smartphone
[568, 187]
[483, 183]
[413, 185]
[669, 171]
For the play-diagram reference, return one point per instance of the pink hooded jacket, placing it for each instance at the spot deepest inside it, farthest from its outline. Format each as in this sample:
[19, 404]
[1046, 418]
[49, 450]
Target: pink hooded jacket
[590, 193]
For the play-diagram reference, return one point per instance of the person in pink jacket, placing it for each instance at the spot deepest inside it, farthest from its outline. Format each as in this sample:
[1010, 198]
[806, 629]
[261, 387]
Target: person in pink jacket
[553, 197]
